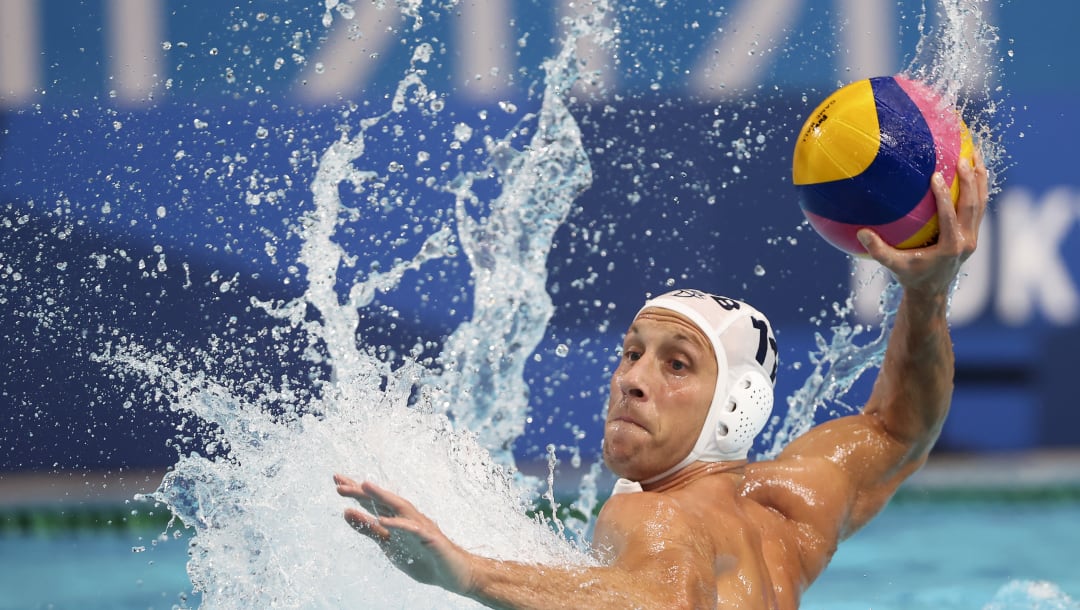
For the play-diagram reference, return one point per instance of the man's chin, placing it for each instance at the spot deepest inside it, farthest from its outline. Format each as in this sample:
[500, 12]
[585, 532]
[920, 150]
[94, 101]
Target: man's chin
[621, 463]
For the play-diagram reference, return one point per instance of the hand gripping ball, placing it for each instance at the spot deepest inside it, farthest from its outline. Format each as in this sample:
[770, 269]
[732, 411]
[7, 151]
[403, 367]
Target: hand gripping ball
[865, 158]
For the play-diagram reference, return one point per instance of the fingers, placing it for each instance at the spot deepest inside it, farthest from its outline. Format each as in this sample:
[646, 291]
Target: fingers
[349, 488]
[367, 525]
[971, 201]
[876, 247]
[946, 210]
[386, 511]
[379, 519]
[394, 502]
[360, 492]
[345, 485]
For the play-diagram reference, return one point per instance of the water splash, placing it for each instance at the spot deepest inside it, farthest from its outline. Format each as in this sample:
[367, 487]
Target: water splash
[258, 492]
[1031, 595]
[482, 382]
[959, 59]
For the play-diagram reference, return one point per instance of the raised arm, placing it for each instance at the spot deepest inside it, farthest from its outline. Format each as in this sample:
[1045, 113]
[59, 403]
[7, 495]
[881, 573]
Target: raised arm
[650, 557]
[913, 391]
[847, 469]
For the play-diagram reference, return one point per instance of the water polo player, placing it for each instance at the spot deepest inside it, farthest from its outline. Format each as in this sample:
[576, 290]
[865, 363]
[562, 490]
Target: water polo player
[692, 522]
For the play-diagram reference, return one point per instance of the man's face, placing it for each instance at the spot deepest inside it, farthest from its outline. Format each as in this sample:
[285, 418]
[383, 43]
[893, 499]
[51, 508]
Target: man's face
[660, 395]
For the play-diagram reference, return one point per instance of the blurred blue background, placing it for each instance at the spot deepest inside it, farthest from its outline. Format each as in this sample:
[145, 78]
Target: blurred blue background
[156, 156]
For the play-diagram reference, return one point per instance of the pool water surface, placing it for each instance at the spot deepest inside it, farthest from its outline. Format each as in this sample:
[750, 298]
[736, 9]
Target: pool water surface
[915, 555]
[952, 555]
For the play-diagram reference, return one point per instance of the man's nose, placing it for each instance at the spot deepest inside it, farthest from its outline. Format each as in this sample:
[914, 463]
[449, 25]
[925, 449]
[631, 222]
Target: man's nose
[630, 380]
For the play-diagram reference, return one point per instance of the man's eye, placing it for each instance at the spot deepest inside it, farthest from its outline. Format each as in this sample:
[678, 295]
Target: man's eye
[632, 355]
[678, 365]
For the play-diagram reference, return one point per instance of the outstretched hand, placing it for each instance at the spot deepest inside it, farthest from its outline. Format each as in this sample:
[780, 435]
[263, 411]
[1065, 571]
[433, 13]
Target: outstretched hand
[412, 541]
[930, 270]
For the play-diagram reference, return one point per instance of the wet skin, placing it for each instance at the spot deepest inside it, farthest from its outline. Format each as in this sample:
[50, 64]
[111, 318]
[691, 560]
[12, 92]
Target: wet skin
[725, 534]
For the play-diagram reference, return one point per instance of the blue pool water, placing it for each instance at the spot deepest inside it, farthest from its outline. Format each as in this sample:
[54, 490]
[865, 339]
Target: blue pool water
[952, 555]
[916, 555]
[92, 570]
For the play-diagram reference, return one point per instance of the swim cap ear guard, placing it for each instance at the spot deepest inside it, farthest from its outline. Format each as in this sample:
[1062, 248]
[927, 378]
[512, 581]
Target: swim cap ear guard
[746, 358]
[744, 414]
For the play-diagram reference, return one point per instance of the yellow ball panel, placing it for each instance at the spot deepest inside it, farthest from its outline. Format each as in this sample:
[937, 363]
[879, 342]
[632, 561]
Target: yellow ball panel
[840, 139]
[967, 154]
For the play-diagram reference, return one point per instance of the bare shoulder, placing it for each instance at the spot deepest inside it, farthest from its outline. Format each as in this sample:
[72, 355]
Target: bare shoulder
[652, 537]
[801, 489]
[825, 485]
[800, 504]
[835, 463]
[628, 519]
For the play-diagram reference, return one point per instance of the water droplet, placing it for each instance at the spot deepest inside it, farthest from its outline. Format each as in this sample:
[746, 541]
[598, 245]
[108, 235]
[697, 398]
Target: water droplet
[759, 270]
[562, 350]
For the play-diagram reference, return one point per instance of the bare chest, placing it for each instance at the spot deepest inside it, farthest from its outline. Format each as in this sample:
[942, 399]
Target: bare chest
[757, 558]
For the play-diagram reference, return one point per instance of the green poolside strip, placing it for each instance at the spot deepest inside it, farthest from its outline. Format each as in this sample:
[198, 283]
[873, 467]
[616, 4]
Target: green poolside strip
[47, 520]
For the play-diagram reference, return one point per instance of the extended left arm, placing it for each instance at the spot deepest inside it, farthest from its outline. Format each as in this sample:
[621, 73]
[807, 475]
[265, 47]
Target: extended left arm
[657, 561]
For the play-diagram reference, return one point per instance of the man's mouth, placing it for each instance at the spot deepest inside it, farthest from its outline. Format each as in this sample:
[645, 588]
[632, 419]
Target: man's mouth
[628, 420]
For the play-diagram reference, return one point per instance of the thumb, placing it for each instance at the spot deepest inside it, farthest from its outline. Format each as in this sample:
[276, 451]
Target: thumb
[875, 246]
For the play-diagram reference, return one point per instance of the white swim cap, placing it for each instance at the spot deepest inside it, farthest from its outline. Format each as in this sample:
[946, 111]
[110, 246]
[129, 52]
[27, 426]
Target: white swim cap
[746, 363]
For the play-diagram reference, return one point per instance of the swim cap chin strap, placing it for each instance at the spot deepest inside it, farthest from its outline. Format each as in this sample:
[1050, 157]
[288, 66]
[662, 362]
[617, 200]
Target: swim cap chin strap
[746, 362]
